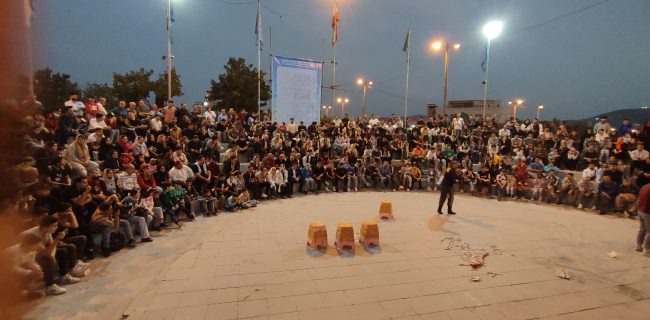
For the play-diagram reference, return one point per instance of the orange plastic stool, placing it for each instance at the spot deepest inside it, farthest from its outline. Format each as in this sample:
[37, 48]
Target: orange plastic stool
[369, 234]
[386, 210]
[317, 235]
[344, 236]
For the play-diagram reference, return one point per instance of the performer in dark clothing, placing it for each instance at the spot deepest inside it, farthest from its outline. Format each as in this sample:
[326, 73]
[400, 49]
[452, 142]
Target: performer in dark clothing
[447, 188]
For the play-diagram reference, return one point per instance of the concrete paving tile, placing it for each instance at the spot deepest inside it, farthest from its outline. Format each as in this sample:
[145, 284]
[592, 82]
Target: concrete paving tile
[194, 298]
[165, 301]
[397, 308]
[191, 313]
[247, 309]
[285, 316]
[435, 316]
[223, 295]
[225, 311]
[281, 305]
[434, 303]
[488, 313]
[160, 314]
[461, 314]
[370, 311]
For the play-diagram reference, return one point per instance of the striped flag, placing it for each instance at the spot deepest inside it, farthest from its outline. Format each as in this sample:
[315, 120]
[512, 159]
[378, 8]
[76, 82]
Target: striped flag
[335, 23]
[486, 56]
[258, 27]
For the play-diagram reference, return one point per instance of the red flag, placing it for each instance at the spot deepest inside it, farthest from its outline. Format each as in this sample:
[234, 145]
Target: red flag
[335, 23]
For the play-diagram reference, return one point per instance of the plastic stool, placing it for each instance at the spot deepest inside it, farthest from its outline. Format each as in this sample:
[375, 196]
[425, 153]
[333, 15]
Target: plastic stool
[344, 236]
[386, 210]
[369, 234]
[317, 235]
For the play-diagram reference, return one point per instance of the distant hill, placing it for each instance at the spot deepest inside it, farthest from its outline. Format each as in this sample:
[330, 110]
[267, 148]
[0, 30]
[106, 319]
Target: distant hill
[637, 117]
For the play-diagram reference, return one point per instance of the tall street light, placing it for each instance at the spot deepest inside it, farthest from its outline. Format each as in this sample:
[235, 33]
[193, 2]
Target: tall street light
[491, 30]
[343, 102]
[516, 105]
[539, 109]
[437, 46]
[366, 85]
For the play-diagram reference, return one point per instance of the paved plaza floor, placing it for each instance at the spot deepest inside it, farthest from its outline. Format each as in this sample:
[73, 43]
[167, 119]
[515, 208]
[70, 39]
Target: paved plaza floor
[254, 264]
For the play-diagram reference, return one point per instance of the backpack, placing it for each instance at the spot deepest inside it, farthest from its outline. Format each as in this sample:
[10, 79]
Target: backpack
[117, 242]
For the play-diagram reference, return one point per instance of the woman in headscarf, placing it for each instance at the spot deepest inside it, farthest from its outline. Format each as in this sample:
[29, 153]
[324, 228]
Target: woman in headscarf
[139, 147]
[77, 156]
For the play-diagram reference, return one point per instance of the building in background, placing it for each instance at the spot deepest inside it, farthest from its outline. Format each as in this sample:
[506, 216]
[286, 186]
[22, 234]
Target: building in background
[474, 108]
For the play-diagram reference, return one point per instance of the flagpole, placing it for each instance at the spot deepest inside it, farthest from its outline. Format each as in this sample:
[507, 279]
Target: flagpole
[408, 72]
[334, 38]
[487, 65]
[259, 65]
[169, 50]
[270, 68]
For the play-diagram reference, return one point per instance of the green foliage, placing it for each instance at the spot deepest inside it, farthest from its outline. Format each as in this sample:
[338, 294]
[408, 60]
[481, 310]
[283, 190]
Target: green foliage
[100, 90]
[53, 89]
[133, 85]
[160, 87]
[237, 87]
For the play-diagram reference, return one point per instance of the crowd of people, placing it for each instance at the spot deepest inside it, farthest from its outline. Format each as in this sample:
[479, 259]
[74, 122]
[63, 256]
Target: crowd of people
[98, 178]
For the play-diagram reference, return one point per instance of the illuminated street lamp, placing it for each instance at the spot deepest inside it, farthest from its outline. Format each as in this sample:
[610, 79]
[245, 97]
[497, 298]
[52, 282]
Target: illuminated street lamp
[437, 46]
[491, 30]
[366, 85]
[539, 109]
[343, 102]
[516, 105]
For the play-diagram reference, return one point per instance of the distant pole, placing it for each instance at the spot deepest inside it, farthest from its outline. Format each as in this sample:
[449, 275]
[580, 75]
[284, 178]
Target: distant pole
[444, 99]
[169, 50]
[363, 102]
[271, 70]
[408, 72]
[259, 67]
[485, 81]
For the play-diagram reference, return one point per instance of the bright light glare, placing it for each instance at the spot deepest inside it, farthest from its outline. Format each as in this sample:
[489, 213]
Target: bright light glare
[339, 100]
[457, 46]
[492, 29]
[347, 100]
[360, 81]
[519, 101]
[436, 45]
[370, 84]
[205, 104]
[541, 106]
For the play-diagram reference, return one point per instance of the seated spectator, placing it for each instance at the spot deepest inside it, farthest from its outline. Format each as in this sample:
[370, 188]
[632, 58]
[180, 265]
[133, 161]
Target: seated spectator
[24, 266]
[62, 258]
[607, 192]
[626, 199]
[180, 172]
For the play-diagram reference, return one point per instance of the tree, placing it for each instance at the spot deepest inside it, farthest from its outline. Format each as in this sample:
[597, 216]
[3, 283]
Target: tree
[53, 89]
[100, 90]
[133, 85]
[237, 87]
[160, 87]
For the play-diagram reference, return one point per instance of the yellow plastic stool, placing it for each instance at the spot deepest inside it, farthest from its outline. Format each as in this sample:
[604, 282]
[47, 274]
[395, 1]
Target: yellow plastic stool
[386, 210]
[369, 234]
[317, 235]
[344, 236]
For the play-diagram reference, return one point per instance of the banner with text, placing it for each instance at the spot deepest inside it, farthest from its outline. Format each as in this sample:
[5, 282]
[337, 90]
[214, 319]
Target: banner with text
[296, 89]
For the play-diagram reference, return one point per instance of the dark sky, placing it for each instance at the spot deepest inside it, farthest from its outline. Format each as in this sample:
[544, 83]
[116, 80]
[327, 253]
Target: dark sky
[593, 61]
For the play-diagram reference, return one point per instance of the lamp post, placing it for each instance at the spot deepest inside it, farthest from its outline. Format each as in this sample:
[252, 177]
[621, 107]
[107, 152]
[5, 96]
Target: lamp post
[539, 109]
[343, 102]
[516, 105]
[366, 85]
[437, 46]
[491, 30]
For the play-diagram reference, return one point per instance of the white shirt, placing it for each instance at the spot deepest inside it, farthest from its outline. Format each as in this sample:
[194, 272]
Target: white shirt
[78, 107]
[182, 174]
[373, 121]
[639, 154]
[127, 181]
[96, 124]
[156, 124]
